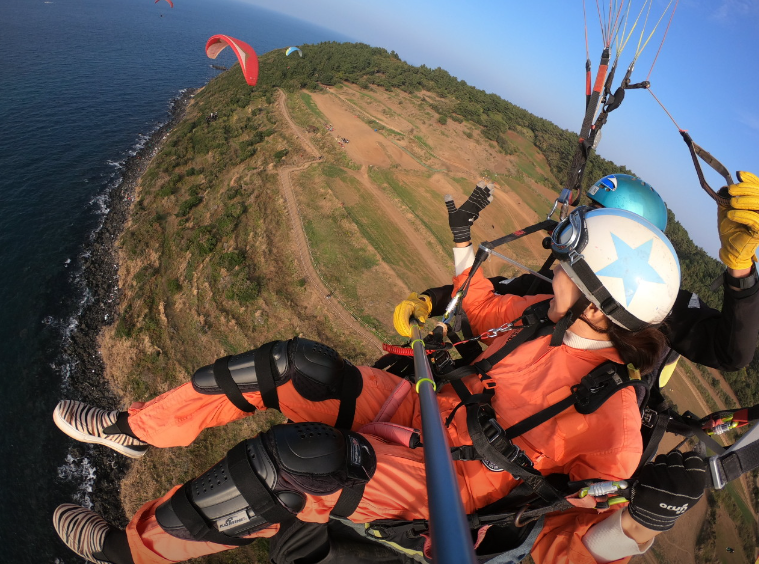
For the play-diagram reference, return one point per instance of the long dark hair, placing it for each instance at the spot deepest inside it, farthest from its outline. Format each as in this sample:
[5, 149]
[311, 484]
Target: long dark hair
[643, 349]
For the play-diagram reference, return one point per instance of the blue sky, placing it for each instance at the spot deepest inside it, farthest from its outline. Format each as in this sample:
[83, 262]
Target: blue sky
[532, 53]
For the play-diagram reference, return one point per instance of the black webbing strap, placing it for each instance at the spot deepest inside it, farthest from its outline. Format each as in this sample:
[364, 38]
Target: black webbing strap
[654, 438]
[587, 396]
[347, 410]
[348, 501]
[540, 417]
[740, 461]
[265, 375]
[525, 516]
[574, 313]
[546, 224]
[196, 524]
[246, 480]
[227, 384]
[608, 305]
[467, 398]
[544, 270]
[537, 326]
[695, 153]
[532, 478]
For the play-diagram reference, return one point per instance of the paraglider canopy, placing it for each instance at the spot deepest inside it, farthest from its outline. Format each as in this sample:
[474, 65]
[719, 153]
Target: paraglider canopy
[292, 50]
[169, 1]
[245, 54]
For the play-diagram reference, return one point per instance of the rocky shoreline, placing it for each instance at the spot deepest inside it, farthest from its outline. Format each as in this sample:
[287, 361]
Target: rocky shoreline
[100, 275]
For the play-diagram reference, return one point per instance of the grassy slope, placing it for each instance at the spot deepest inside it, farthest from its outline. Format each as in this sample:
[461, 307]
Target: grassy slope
[206, 263]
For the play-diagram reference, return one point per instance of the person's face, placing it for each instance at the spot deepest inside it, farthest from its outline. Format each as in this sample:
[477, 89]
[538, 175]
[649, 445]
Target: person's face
[565, 294]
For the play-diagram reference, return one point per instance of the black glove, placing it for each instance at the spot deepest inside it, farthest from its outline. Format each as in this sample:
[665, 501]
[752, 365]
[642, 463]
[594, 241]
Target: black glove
[460, 220]
[667, 488]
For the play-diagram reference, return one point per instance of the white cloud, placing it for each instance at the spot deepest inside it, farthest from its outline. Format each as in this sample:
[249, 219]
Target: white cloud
[730, 10]
[751, 120]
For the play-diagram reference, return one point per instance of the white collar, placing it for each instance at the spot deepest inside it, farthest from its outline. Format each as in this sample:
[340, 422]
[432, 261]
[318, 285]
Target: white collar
[577, 342]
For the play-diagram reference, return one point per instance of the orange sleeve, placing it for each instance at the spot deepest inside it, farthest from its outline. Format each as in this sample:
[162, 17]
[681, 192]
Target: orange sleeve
[560, 541]
[486, 309]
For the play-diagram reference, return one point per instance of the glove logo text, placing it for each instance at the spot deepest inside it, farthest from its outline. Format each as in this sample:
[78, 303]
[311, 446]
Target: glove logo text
[677, 510]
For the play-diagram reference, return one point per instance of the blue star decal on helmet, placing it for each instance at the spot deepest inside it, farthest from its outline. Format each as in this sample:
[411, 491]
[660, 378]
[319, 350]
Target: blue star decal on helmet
[631, 266]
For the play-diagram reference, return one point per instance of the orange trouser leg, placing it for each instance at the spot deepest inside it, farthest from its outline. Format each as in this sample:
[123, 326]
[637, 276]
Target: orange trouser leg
[177, 417]
[397, 490]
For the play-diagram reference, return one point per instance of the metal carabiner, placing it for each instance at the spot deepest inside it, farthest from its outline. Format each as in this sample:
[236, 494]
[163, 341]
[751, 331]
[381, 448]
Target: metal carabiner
[563, 199]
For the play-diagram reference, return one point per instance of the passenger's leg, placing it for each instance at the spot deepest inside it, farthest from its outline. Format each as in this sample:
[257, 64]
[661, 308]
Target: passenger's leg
[309, 379]
[296, 469]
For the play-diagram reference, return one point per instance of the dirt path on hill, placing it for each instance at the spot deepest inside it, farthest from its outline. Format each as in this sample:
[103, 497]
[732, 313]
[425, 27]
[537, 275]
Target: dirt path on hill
[303, 251]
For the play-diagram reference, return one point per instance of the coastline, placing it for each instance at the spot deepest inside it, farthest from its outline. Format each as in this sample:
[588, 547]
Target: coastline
[100, 275]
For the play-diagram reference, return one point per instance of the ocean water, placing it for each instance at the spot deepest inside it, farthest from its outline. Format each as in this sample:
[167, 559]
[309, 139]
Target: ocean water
[83, 82]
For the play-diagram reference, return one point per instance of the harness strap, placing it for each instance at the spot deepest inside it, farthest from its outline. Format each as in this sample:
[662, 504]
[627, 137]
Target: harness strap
[195, 523]
[482, 445]
[347, 410]
[658, 430]
[545, 269]
[536, 325]
[348, 501]
[587, 396]
[261, 500]
[570, 317]
[265, 375]
[227, 384]
[739, 462]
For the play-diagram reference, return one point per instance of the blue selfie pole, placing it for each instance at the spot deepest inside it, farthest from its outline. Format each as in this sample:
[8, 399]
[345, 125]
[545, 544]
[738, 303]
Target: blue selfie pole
[449, 529]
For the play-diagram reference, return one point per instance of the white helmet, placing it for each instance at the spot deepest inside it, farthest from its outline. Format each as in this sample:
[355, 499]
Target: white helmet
[621, 262]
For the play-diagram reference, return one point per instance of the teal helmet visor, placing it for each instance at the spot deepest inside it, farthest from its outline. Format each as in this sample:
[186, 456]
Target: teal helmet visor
[626, 192]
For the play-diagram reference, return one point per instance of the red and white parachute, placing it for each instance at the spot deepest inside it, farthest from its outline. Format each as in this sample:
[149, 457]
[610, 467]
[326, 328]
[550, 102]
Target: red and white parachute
[245, 54]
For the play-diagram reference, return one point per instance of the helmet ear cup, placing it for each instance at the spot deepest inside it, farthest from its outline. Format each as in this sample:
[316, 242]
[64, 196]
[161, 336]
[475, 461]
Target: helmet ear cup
[627, 192]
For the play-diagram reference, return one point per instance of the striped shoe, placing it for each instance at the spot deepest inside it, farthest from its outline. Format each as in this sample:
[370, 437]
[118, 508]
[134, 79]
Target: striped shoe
[94, 425]
[82, 530]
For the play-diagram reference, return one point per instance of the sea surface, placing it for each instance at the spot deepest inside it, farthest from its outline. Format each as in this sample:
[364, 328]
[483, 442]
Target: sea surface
[82, 85]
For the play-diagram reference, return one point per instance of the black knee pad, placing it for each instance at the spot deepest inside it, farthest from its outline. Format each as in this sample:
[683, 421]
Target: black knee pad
[318, 372]
[263, 481]
[318, 459]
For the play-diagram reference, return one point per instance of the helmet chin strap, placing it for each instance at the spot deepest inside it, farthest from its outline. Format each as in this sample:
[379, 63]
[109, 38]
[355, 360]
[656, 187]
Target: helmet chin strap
[569, 318]
[596, 328]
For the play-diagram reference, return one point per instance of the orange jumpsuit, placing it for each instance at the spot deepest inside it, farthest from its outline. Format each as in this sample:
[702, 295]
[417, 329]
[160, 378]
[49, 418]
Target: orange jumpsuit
[605, 444]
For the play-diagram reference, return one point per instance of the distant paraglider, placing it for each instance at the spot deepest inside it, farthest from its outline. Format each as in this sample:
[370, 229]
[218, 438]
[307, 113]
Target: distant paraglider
[169, 1]
[292, 50]
[245, 54]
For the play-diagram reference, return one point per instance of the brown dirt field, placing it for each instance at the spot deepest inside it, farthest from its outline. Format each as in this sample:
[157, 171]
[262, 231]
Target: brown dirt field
[455, 154]
[366, 146]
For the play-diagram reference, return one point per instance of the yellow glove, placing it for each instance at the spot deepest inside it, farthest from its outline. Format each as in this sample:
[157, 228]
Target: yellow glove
[739, 223]
[416, 305]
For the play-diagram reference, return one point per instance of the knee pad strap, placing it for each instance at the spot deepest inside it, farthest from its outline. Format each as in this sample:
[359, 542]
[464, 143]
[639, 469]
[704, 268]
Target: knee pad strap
[264, 480]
